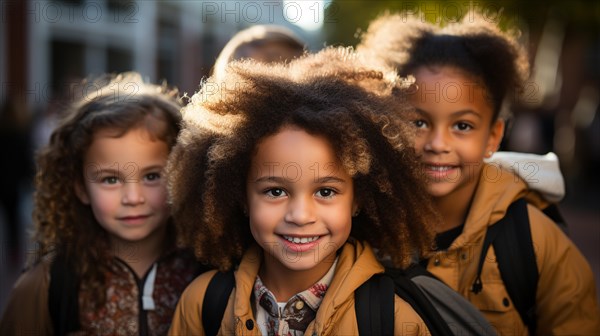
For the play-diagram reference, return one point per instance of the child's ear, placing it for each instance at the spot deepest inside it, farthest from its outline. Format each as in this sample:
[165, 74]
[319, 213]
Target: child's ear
[496, 134]
[355, 208]
[81, 193]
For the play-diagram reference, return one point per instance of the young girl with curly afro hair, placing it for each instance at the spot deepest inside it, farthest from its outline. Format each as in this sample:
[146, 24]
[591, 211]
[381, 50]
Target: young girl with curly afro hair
[464, 74]
[108, 262]
[291, 174]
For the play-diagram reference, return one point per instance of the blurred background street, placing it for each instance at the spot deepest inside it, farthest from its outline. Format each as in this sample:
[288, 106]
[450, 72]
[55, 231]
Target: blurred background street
[48, 47]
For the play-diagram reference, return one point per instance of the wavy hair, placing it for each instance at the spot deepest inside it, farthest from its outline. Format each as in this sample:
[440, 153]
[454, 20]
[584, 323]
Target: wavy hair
[63, 224]
[333, 94]
[475, 45]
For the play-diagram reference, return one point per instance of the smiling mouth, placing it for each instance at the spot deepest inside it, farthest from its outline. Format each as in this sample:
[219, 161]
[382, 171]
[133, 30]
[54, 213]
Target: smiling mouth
[134, 217]
[298, 240]
[440, 168]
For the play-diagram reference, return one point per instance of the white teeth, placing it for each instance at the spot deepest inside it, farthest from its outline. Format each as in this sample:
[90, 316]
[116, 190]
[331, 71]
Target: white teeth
[302, 240]
[440, 168]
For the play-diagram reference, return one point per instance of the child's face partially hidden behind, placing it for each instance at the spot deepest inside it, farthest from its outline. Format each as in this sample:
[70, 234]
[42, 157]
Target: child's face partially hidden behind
[455, 130]
[124, 184]
[300, 201]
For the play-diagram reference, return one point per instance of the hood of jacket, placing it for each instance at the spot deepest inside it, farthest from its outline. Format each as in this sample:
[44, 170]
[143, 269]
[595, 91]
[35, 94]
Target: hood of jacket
[540, 172]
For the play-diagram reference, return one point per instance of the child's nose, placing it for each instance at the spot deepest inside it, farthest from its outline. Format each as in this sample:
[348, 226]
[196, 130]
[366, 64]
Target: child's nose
[132, 194]
[437, 141]
[301, 211]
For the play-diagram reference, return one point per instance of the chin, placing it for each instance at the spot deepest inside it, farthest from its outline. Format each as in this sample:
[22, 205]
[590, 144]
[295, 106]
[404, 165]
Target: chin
[134, 238]
[439, 191]
[299, 267]
[294, 262]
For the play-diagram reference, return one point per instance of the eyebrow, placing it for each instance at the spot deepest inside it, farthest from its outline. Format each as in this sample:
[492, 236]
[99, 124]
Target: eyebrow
[277, 179]
[455, 113]
[153, 167]
[127, 169]
[111, 171]
[330, 179]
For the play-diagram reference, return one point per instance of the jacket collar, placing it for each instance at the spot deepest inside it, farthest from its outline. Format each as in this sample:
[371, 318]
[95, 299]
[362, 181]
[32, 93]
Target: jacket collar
[496, 190]
[356, 264]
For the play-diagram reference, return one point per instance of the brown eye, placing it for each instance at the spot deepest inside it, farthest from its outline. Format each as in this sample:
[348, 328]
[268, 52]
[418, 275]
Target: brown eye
[275, 192]
[461, 126]
[153, 177]
[326, 193]
[420, 123]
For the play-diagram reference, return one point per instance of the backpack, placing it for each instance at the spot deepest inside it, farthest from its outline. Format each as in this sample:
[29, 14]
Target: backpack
[511, 238]
[443, 310]
[63, 297]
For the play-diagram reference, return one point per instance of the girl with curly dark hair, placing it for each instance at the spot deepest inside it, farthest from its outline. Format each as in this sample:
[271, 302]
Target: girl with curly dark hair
[108, 259]
[464, 73]
[290, 174]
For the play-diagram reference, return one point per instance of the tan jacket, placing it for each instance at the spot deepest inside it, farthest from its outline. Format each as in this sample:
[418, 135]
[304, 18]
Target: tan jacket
[336, 315]
[566, 296]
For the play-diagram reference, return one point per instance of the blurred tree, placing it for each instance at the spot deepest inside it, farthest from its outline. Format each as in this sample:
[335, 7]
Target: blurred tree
[346, 19]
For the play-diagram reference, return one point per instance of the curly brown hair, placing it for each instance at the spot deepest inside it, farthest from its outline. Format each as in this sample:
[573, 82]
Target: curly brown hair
[475, 45]
[63, 224]
[330, 94]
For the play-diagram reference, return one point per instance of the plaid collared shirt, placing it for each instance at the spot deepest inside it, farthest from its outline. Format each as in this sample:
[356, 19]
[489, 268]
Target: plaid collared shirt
[291, 317]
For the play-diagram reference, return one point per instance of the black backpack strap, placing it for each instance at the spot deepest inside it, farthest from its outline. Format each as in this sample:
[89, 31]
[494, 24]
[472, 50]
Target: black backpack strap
[511, 238]
[215, 301]
[63, 297]
[516, 260]
[443, 310]
[410, 292]
[374, 306]
[490, 236]
[416, 270]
